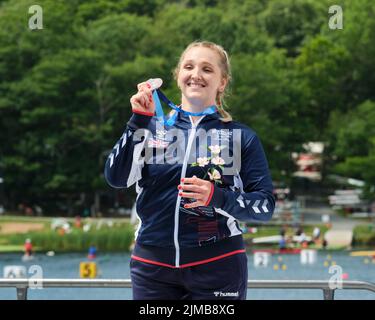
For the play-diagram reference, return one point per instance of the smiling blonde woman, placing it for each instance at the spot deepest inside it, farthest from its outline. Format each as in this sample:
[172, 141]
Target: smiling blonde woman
[189, 244]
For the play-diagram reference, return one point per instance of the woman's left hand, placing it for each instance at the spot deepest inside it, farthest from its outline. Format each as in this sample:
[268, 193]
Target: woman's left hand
[199, 189]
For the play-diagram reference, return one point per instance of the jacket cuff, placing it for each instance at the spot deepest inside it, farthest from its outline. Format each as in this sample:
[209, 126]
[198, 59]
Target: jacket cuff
[145, 113]
[140, 120]
[217, 197]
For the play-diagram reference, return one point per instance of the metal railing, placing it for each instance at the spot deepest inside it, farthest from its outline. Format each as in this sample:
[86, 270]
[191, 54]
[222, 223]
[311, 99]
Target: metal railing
[22, 285]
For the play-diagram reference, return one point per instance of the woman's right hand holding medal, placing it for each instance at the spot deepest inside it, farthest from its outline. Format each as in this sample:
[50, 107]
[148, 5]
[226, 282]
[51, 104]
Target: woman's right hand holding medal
[142, 101]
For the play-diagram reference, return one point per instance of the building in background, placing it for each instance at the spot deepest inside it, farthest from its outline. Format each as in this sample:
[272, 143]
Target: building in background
[309, 163]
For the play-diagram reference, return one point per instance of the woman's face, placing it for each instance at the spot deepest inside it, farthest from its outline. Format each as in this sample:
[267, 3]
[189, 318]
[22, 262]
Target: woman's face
[200, 77]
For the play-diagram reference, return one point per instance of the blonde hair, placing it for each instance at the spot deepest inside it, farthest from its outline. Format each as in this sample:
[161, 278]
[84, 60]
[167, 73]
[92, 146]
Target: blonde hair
[225, 68]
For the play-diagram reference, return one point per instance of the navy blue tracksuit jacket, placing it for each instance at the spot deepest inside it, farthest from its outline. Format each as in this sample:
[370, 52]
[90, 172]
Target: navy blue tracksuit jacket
[156, 157]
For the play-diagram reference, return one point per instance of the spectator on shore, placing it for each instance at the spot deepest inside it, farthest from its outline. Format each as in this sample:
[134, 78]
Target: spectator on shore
[301, 237]
[78, 222]
[29, 211]
[324, 243]
[28, 247]
[316, 235]
[38, 210]
[283, 231]
[282, 243]
[299, 231]
[92, 252]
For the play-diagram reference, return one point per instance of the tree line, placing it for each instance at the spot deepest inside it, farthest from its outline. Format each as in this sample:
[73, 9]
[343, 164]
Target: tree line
[65, 89]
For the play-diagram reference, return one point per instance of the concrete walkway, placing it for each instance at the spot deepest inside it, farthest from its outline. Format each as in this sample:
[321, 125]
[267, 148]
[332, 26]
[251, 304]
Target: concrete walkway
[341, 233]
[339, 238]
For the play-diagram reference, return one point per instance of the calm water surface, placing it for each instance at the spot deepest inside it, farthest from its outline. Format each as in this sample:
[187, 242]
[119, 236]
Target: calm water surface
[116, 266]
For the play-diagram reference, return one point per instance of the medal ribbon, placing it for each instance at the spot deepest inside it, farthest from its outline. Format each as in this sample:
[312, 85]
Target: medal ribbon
[157, 95]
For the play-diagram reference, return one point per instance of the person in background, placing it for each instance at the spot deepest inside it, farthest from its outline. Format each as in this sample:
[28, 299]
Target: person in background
[316, 235]
[282, 243]
[92, 252]
[324, 243]
[78, 222]
[28, 247]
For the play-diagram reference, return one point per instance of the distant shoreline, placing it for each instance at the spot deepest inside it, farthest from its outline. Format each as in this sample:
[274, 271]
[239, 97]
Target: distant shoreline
[117, 235]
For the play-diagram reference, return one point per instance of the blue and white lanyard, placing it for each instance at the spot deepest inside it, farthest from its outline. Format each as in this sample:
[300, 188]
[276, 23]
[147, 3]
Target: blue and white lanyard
[157, 95]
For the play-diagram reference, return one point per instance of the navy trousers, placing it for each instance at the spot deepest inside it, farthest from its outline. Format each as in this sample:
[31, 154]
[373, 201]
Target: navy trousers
[223, 279]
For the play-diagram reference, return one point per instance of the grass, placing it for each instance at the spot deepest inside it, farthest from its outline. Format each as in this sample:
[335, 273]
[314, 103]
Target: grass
[120, 236]
[364, 235]
[10, 248]
[9, 218]
[105, 240]
[117, 237]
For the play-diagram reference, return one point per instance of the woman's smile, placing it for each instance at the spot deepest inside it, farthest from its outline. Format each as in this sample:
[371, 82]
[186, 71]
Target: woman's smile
[193, 84]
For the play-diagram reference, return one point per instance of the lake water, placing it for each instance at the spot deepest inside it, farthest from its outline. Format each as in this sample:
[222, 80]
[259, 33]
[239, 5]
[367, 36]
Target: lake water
[116, 266]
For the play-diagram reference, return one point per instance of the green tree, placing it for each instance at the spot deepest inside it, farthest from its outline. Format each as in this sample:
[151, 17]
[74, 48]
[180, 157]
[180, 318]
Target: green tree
[353, 143]
[291, 22]
[263, 98]
[322, 72]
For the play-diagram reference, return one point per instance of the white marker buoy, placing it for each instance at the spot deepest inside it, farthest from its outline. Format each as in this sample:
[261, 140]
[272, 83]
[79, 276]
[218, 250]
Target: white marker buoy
[50, 253]
[308, 256]
[261, 259]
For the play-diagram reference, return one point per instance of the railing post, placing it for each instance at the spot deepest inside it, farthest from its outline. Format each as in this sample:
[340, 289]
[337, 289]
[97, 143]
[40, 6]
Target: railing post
[21, 293]
[329, 294]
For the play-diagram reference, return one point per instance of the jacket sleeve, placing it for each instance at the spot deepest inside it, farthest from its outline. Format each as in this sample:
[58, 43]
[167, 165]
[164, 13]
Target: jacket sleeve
[124, 164]
[254, 200]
